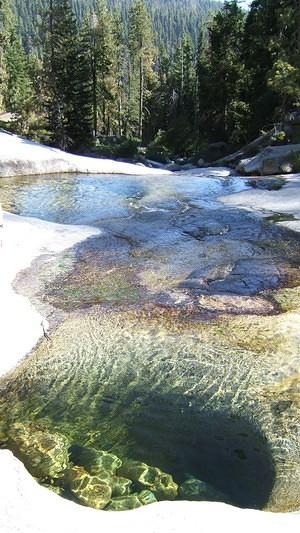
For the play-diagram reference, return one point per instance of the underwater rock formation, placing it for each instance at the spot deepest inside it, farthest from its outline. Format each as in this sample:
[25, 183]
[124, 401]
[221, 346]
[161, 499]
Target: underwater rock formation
[196, 490]
[145, 497]
[89, 490]
[44, 454]
[95, 461]
[161, 484]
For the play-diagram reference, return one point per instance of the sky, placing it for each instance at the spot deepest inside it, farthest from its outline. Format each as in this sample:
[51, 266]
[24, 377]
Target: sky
[245, 3]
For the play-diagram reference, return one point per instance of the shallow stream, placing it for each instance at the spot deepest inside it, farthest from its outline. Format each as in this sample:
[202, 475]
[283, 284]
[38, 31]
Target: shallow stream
[174, 343]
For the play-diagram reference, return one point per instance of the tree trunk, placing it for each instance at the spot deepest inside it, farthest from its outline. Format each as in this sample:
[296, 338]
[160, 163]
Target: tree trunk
[141, 102]
[94, 73]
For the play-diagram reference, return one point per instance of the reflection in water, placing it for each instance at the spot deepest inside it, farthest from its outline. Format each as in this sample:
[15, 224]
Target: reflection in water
[172, 348]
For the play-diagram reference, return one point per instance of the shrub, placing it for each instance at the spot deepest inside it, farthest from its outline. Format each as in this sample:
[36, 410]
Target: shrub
[157, 150]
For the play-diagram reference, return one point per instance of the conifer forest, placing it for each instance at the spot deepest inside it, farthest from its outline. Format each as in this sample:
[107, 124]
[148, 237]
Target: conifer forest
[172, 75]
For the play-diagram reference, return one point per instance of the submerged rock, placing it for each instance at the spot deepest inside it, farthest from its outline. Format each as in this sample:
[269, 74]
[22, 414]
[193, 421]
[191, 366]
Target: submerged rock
[120, 486]
[95, 461]
[197, 490]
[147, 497]
[161, 484]
[57, 490]
[44, 454]
[89, 490]
[124, 503]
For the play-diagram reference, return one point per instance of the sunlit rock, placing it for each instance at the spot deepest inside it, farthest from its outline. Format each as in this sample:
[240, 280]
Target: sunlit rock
[95, 461]
[89, 490]
[124, 503]
[120, 486]
[44, 454]
[161, 484]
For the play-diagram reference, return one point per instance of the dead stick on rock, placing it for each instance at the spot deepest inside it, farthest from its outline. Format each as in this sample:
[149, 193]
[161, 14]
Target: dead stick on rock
[45, 332]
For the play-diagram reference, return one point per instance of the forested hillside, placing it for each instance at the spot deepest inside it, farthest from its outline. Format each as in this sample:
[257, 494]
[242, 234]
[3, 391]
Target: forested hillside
[170, 18]
[104, 77]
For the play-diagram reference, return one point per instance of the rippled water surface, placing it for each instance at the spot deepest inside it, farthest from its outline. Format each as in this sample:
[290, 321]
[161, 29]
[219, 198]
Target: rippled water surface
[175, 333]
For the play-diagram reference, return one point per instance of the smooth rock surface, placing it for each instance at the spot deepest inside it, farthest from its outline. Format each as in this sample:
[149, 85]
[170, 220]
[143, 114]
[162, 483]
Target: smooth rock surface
[271, 160]
[20, 157]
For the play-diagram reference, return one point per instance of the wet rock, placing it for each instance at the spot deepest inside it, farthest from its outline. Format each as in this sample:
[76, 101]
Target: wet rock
[94, 461]
[269, 184]
[174, 167]
[245, 278]
[207, 230]
[89, 490]
[134, 501]
[188, 166]
[146, 497]
[161, 484]
[120, 486]
[125, 503]
[44, 454]
[103, 465]
[237, 305]
[197, 490]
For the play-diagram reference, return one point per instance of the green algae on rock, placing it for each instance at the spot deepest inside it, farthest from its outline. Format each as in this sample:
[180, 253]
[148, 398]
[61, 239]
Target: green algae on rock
[161, 484]
[44, 454]
[88, 490]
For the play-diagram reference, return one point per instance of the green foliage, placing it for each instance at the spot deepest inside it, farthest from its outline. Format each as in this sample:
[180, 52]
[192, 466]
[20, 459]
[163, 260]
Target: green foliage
[117, 147]
[149, 69]
[66, 66]
[171, 18]
[157, 149]
[279, 137]
[225, 112]
[141, 61]
[284, 79]
[18, 93]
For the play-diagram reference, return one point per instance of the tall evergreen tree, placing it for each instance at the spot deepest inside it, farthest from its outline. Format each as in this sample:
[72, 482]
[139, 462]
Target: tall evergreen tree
[141, 48]
[225, 111]
[18, 93]
[6, 28]
[60, 72]
[105, 68]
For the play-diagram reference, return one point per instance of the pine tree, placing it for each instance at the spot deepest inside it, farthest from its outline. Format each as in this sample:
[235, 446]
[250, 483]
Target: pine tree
[6, 28]
[141, 49]
[105, 68]
[18, 93]
[226, 112]
[121, 71]
[60, 63]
